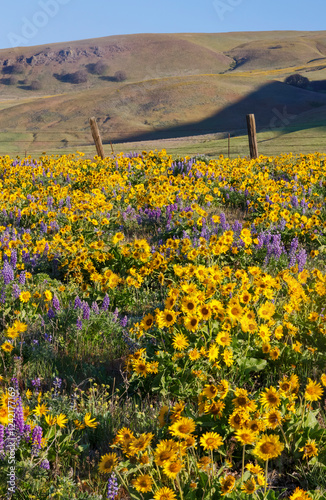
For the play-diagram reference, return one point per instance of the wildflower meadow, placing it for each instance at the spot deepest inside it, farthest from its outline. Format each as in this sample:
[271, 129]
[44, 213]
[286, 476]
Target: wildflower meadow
[163, 327]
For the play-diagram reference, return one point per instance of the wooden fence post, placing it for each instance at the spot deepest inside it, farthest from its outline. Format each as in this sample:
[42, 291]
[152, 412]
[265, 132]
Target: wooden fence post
[96, 137]
[251, 124]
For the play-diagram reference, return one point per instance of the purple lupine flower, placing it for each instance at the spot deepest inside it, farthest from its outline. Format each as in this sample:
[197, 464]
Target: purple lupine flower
[44, 227]
[27, 431]
[13, 258]
[45, 464]
[36, 440]
[86, 310]
[56, 303]
[223, 222]
[7, 273]
[16, 291]
[113, 487]
[36, 382]
[2, 437]
[51, 313]
[14, 382]
[106, 303]
[48, 337]
[124, 321]
[301, 259]
[79, 324]
[3, 296]
[19, 417]
[22, 278]
[78, 302]
[95, 308]
[57, 384]
[115, 314]
[292, 251]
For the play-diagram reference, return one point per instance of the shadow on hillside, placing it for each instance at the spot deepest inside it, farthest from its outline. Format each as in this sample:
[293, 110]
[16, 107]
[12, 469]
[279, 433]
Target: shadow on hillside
[276, 106]
[108, 78]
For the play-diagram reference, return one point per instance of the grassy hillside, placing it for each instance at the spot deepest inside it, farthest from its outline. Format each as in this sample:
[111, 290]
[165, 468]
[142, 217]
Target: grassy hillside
[178, 85]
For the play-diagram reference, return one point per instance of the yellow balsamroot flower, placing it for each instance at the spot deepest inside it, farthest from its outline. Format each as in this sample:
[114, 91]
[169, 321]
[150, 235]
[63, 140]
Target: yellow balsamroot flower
[228, 357]
[215, 409]
[189, 304]
[249, 486]
[165, 493]
[314, 391]
[90, 422]
[300, 494]
[165, 451]
[140, 367]
[273, 419]
[24, 296]
[50, 419]
[211, 441]
[172, 469]
[61, 420]
[267, 310]
[180, 341]
[183, 427]
[40, 410]
[210, 391]
[140, 443]
[166, 318]
[227, 484]
[143, 483]
[20, 327]
[12, 333]
[147, 321]
[309, 449]
[191, 322]
[124, 435]
[254, 469]
[4, 415]
[241, 400]
[268, 447]
[107, 463]
[7, 346]
[48, 295]
[246, 436]
[270, 398]
[162, 417]
[79, 425]
[194, 354]
[323, 379]
[117, 237]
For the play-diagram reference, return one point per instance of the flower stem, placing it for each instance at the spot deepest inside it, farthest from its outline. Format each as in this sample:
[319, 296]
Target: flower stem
[266, 472]
[243, 461]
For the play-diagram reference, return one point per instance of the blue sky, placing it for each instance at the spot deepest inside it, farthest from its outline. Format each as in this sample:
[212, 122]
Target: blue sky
[35, 22]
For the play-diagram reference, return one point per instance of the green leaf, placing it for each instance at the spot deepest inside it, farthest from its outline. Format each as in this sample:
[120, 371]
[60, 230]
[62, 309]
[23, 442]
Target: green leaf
[252, 364]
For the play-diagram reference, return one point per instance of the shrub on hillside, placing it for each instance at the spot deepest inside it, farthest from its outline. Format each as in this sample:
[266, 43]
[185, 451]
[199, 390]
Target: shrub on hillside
[100, 68]
[120, 76]
[297, 80]
[35, 85]
[79, 76]
[13, 69]
[12, 80]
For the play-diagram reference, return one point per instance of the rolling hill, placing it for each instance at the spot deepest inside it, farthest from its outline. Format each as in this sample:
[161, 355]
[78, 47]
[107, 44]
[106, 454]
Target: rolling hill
[174, 85]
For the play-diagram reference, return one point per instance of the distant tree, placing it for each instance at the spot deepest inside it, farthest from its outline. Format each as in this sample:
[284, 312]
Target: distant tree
[78, 77]
[11, 81]
[100, 68]
[17, 69]
[120, 76]
[35, 85]
[297, 80]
